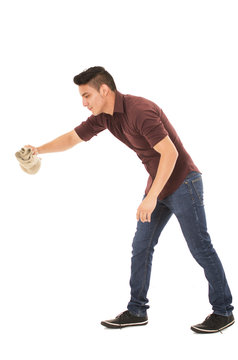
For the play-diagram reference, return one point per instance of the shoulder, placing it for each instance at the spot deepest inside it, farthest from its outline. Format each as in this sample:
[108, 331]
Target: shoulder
[139, 106]
[99, 119]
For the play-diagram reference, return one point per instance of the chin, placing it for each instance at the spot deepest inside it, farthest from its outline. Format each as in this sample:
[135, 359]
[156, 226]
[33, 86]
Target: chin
[96, 112]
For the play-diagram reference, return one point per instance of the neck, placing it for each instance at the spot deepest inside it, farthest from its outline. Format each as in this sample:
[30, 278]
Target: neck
[110, 104]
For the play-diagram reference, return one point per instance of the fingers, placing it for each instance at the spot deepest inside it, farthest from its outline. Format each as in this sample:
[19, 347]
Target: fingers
[145, 209]
[143, 216]
[33, 148]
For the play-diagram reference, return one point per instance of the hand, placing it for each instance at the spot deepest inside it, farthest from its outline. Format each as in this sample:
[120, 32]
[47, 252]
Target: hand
[33, 148]
[146, 208]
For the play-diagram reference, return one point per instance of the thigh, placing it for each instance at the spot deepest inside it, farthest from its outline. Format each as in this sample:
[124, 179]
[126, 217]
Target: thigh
[188, 196]
[187, 203]
[147, 233]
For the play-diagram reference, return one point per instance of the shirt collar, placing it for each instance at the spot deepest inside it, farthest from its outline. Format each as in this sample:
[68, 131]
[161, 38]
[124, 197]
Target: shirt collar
[118, 106]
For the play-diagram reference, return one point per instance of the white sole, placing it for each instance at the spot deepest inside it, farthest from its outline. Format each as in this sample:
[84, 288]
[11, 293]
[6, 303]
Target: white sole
[124, 325]
[213, 331]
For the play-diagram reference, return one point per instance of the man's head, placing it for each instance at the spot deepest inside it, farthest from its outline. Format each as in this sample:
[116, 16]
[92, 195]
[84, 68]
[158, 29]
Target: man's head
[97, 88]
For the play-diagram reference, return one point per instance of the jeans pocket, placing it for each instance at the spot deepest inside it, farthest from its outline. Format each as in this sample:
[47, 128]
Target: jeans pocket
[197, 185]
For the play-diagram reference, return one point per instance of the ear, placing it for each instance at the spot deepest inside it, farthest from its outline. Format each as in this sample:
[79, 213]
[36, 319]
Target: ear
[104, 90]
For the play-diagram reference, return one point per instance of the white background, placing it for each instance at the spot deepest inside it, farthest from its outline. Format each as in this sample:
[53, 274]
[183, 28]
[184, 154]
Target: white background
[66, 232]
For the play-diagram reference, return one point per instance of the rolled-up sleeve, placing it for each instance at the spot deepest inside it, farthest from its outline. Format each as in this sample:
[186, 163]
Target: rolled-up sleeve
[150, 125]
[91, 127]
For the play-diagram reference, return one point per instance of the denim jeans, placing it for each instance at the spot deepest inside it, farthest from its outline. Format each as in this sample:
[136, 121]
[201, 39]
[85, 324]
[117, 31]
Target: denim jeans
[187, 205]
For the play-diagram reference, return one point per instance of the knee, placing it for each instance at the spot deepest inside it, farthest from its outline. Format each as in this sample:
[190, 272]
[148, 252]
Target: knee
[203, 253]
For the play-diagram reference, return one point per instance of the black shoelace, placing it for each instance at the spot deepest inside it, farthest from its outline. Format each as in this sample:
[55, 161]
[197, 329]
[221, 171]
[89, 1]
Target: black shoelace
[123, 315]
[213, 320]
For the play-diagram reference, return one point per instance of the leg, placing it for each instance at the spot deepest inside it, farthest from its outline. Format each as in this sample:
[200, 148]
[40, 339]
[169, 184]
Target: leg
[145, 239]
[187, 205]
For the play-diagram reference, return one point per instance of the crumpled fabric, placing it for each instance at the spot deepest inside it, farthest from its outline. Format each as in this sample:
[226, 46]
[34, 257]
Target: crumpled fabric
[28, 162]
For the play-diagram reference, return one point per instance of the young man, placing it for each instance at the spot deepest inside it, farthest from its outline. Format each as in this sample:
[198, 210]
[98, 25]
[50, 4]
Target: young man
[174, 187]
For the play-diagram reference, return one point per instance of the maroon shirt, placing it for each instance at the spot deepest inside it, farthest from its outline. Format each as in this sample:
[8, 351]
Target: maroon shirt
[141, 124]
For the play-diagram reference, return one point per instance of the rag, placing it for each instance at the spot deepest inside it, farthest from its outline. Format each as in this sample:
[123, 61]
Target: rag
[28, 162]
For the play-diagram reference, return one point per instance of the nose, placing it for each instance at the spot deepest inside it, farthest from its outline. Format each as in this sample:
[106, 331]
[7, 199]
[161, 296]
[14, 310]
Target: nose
[85, 103]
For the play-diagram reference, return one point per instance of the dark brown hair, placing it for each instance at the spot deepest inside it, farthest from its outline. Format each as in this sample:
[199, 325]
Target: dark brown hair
[96, 76]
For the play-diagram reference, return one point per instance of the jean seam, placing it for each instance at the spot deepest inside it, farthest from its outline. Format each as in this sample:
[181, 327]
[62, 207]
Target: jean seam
[194, 187]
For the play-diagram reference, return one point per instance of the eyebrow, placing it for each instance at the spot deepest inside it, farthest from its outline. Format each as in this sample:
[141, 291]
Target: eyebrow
[84, 93]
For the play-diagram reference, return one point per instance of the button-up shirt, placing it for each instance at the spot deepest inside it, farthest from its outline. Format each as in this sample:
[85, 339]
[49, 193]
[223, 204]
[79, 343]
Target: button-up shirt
[140, 124]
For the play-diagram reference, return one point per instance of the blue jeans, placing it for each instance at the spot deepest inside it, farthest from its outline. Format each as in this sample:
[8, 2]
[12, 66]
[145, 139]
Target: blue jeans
[187, 205]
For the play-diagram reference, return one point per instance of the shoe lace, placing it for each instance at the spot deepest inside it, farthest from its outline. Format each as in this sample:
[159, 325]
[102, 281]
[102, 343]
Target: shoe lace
[122, 315]
[213, 319]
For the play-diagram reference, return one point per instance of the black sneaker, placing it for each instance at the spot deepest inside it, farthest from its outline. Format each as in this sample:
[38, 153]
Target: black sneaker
[125, 319]
[213, 323]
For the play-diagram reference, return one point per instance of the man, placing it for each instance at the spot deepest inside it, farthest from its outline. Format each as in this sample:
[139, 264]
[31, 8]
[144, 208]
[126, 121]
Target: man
[174, 187]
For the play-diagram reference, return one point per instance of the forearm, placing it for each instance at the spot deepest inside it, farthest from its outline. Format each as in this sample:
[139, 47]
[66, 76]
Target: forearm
[61, 143]
[165, 169]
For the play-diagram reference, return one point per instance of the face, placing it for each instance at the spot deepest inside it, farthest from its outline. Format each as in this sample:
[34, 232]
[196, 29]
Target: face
[95, 101]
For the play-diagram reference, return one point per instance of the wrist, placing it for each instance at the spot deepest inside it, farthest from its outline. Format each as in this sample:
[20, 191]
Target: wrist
[152, 196]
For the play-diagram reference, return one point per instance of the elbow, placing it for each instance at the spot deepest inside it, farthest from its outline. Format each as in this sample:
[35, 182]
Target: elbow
[174, 153]
[171, 156]
[175, 156]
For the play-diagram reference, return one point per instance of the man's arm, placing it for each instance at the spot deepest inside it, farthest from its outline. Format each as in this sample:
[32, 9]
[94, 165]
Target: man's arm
[169, 155]
[61, 143]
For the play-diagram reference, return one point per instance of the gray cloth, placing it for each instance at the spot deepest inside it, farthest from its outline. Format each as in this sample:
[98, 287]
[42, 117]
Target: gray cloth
[28, 162]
